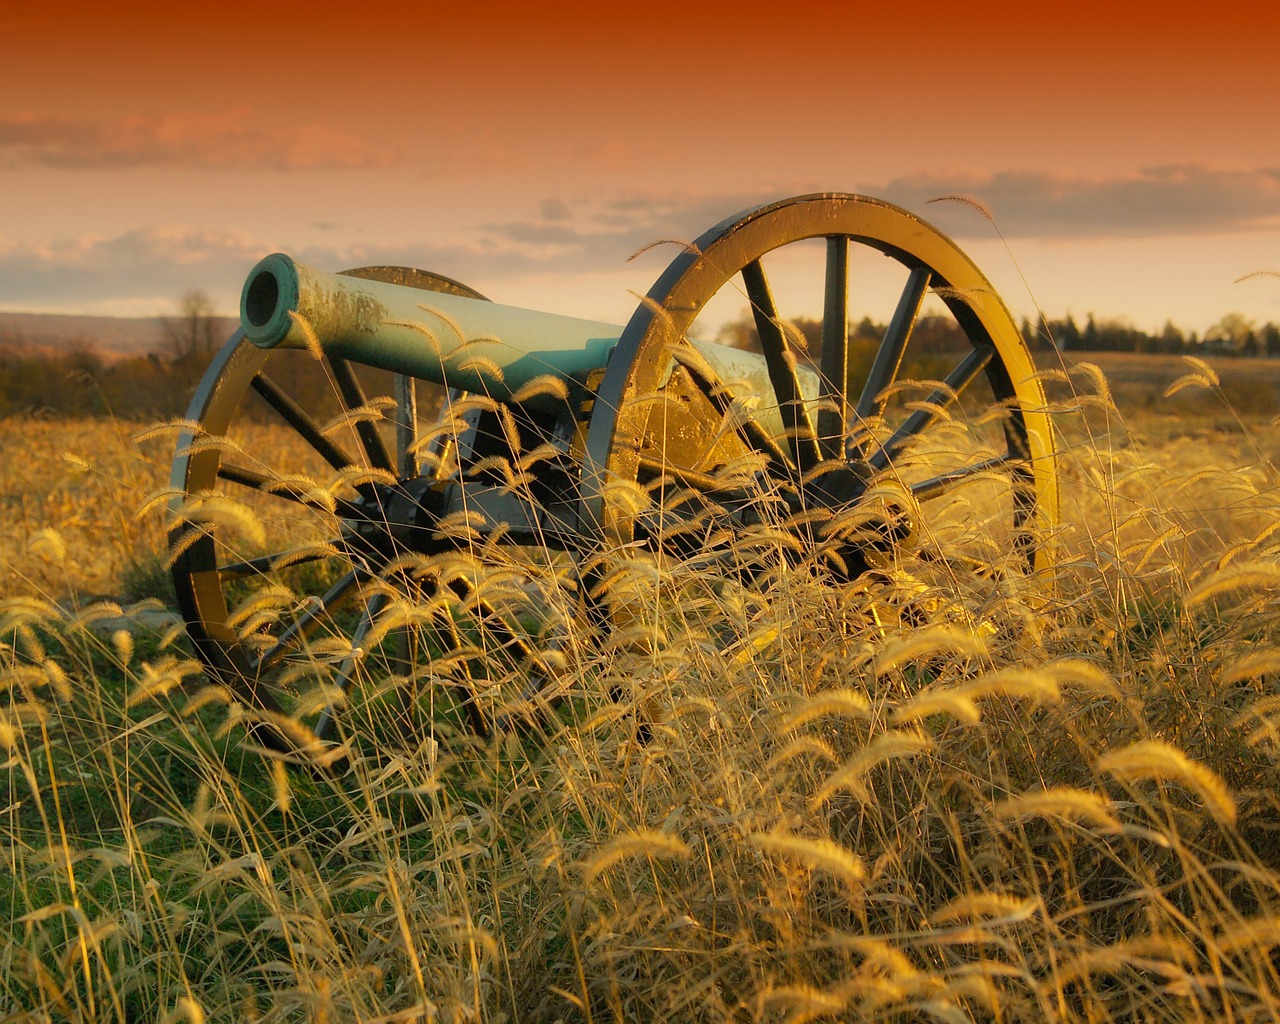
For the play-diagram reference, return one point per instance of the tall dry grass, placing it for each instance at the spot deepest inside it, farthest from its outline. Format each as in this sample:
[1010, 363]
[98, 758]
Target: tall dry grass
[934, 794]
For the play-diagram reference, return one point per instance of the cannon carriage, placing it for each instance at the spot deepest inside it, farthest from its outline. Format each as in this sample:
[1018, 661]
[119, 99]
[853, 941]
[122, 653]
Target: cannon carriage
[464, 562]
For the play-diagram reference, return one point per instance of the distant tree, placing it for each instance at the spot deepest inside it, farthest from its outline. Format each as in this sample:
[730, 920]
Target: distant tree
[192, 336]
[739, 333]
[1170, 339]
[1230, 334]
[1045, 335]
[869, 329]
[1089, 336]
[936, 334]
[1068, 334]
[1270, 335]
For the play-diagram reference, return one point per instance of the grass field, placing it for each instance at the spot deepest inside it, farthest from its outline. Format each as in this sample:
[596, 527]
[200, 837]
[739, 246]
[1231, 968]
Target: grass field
[926, 796]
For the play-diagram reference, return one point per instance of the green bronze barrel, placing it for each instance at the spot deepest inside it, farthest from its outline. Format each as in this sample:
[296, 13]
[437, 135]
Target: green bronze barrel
[458, 342]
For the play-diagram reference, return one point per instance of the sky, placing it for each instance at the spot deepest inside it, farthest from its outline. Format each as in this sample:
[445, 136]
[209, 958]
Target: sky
[1128, 153]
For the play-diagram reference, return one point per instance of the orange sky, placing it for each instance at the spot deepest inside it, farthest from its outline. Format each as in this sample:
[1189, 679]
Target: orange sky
[1131, 158]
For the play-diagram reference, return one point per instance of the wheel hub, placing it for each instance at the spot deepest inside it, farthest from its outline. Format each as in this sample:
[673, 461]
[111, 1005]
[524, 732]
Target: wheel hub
[390, 518]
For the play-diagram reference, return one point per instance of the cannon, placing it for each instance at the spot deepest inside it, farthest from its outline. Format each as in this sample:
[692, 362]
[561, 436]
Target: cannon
[459, 562]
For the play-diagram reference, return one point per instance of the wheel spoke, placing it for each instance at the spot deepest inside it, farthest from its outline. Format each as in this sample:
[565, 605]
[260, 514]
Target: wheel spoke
[938, 485]
[884, 369]
[832, 422]
[304, 622]
[285, 489]
[353, 397]
[301, 421]
[406, 426]
[782, 368]
[934, 406]
[271, 563]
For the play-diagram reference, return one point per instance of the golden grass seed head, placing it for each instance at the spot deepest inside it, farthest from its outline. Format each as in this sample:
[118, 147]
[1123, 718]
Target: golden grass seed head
[932, 641]
[820, 854]
[1254, 935]
[1252, 576]
[829, 703]
[310, 340]
[935, 702]
[986, 907]
[122, 641]
[801, 1003]
[47, 543]
[1065, 802]
[78, 462]
[1163, 762]
[185, 1009]
[10, 730]
[639, 844]
[888, 746]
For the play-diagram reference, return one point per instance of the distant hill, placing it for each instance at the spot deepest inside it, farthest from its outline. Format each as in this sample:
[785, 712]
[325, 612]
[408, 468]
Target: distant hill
[111, 337]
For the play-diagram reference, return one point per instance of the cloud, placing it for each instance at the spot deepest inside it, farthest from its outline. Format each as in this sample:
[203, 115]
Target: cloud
[611, 231]
[190, 140]
[1166, 201]
[600, 233]
[554, 209]
[144, 271]
[146, 266]
[539, 233]
[1185, 199]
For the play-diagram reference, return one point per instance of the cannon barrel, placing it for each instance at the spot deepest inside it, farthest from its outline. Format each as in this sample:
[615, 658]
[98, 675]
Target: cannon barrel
[451, 340]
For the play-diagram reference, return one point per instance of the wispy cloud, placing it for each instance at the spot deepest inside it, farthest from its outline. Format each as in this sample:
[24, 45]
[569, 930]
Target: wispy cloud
[1165, 201]
[194, 140]
[553, 208]
[1169, 200]
[147, 266]
[571, 235]
[600, 235]
[144, 271]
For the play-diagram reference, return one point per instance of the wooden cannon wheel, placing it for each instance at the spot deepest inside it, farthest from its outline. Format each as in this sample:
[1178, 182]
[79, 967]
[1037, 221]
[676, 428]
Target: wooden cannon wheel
[280, 599]
[871, 437]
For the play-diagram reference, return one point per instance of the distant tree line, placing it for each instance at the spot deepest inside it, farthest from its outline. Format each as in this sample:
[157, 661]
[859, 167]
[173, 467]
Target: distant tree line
[81, 382]
[1233, 335]
[931, 334]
